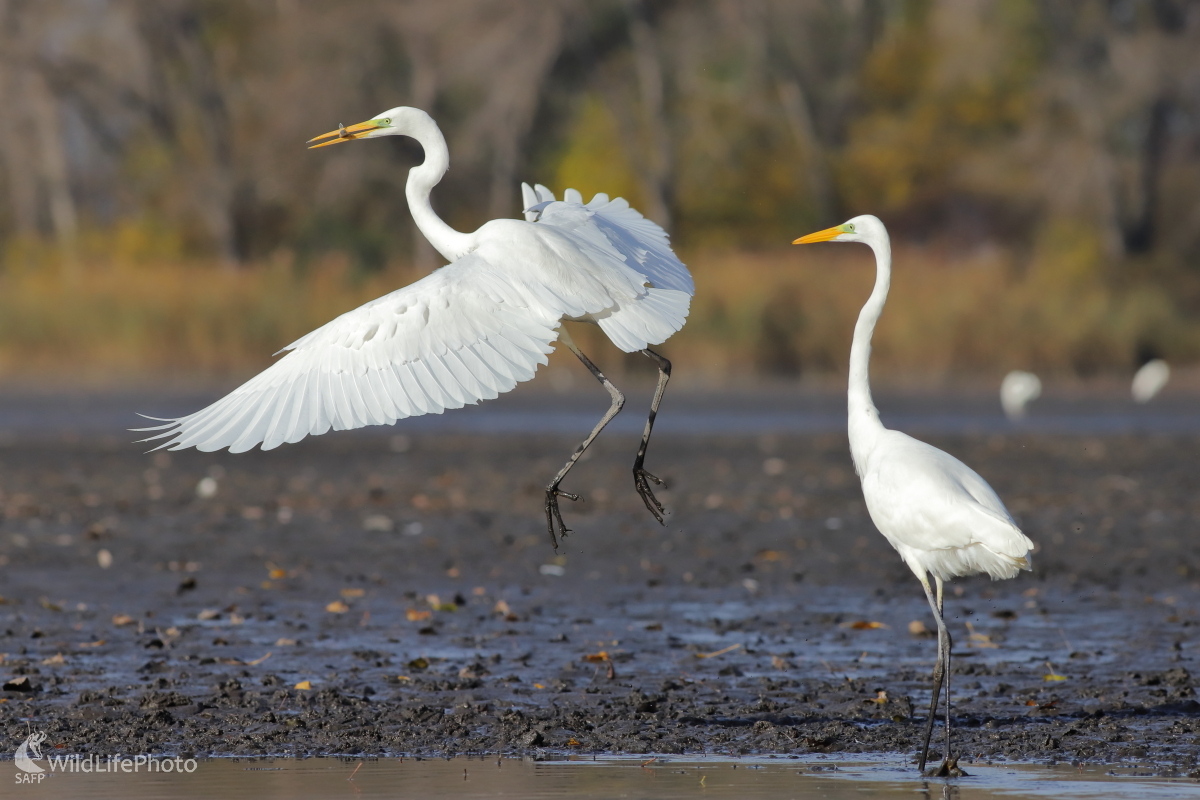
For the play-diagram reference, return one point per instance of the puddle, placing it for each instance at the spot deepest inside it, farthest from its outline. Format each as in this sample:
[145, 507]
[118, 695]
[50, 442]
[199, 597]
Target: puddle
[798, 778]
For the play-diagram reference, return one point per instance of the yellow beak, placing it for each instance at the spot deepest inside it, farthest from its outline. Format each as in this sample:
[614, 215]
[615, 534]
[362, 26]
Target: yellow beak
[821, 236]
[344, 134]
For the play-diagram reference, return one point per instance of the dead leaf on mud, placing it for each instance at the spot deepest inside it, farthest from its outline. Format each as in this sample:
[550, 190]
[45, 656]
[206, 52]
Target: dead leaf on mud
[654, 626]
[977, 639]
[97, 643]
[863, 625]
[56, 660]
[285, 642]
[418, 664]
[572, 742]
[780, 663]
[209, 614]
[917, 628]
[720, 652]
[880, 697]
[1052, 675]
[414, 615]
[122, 619]
[594, 657]
[350, 594]
[337, 607]
[503, 609]
[303, 686]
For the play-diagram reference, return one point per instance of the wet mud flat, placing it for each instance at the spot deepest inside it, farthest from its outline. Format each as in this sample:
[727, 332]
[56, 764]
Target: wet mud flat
[398, 595]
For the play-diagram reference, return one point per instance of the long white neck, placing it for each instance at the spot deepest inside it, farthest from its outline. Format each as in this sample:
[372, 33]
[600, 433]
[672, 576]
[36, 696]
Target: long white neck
[864, 426]
[450, 243]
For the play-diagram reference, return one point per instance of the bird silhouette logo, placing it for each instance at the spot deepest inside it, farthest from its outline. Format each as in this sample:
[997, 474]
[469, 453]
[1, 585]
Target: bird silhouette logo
[30, 751]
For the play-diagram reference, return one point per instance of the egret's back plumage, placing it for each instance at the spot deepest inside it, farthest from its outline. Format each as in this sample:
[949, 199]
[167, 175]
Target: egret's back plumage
[939, 513]
[469, 331]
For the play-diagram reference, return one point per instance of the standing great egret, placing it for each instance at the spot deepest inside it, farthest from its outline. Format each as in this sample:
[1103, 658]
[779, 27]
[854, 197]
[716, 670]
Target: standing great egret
[1017, 390]
[470, 330]
[937, 512]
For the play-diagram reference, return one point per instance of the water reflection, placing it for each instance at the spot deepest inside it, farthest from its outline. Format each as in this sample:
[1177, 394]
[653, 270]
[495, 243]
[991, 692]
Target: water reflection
[801, 778]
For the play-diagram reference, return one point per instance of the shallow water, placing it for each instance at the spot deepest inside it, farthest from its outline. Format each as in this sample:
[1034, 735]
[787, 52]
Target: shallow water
[799, 778]
[749, 412]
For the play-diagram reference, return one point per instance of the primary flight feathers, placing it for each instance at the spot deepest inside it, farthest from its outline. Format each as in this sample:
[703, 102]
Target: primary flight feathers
[467, 332]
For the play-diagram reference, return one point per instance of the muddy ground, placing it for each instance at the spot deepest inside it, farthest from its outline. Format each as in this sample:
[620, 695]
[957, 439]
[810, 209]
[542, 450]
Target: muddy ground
[397, 594]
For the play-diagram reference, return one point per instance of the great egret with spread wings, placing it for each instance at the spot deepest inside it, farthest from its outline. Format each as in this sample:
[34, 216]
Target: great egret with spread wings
[937, 512]
[473, 328]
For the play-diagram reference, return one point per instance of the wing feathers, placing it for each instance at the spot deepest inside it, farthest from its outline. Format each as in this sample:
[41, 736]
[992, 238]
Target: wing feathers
[634, 257]
[464, 333]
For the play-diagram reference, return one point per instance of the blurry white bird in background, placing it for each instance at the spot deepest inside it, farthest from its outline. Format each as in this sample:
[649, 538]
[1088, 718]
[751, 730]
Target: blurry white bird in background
[1150, 380]
[470, 330]
[936, 511]
[1017, 390]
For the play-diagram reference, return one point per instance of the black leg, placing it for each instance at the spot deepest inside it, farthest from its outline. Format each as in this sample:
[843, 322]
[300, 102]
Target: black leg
[553, 514]
[938, 674]
[949, 767]
[641, 478]
[946, 666]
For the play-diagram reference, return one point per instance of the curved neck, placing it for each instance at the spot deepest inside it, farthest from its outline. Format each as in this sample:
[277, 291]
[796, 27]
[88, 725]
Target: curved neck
[421, 179]
[863, 423]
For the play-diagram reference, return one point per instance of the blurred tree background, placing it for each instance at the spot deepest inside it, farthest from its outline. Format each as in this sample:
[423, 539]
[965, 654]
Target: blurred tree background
[1037, 161]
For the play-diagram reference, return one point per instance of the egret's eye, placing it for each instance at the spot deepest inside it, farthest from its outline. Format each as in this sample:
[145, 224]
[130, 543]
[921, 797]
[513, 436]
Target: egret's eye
[850, 228]
[387, 121]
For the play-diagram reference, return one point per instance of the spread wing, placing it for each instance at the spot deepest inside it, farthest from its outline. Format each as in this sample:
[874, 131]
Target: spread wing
[465, 333]
[615, 236]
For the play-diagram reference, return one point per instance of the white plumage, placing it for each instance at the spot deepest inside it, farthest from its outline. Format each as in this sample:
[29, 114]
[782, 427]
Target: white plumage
[939, 514]
[1150, 379]
[1017, 390]
[467, 332]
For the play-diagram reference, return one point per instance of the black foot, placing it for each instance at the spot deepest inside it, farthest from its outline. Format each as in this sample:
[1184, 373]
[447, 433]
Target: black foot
[554, 516]
[641, 480]
[948, 769]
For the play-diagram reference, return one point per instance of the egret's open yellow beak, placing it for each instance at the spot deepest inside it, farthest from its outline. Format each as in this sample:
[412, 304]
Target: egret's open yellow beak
[822, 236]
[344, 134]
